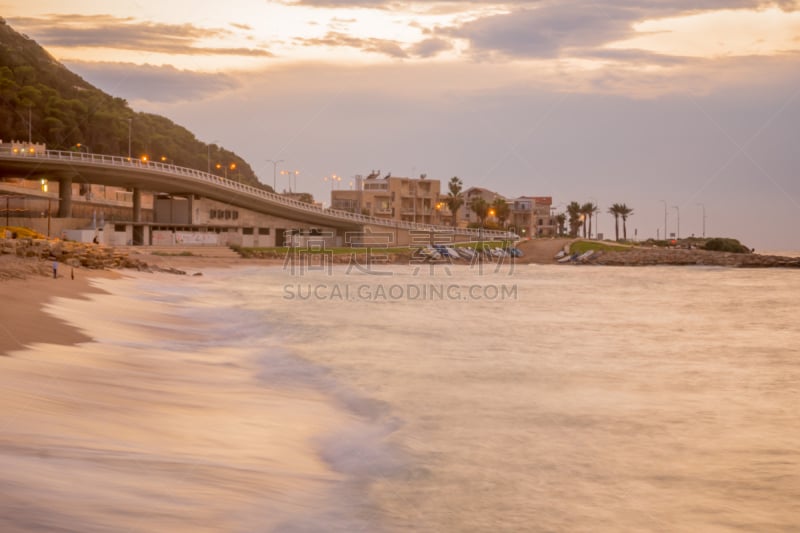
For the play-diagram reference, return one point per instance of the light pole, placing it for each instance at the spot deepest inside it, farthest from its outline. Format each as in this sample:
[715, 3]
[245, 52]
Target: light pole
[704, 219]
[232, 166]
[333, 178]
[130, 131]
[678, 211]
[291, 173]
[666, 237]
[44, 187]
[274, 173]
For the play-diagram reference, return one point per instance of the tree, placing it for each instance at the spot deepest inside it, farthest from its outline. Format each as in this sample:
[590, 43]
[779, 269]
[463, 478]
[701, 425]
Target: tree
[305, 197]
[574, 213]
[586, 212]
[625, 212]
[455, 199]
[480, 207]
[591, 211]
[561, 221]
[501, 211]
[615, 210]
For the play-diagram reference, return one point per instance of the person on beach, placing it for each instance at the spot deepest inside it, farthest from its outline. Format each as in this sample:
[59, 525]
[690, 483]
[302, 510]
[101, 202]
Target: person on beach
[55, 269]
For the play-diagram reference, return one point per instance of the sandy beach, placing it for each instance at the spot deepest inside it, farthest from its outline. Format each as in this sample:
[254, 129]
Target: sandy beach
[98, 434]
[26, 286]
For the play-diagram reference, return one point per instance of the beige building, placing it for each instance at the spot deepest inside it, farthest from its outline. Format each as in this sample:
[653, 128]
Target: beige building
[466, 215]
[532, 216]
[394, 198]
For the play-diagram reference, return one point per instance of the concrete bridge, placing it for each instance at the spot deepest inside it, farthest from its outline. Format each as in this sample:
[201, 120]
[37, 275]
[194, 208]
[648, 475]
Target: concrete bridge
[68, 167]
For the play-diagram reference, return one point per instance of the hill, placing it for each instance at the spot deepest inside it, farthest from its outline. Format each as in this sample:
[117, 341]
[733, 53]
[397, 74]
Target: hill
[68, 113]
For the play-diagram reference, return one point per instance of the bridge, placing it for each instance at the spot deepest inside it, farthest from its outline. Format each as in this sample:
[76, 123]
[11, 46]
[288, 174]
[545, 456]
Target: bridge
[160, 177]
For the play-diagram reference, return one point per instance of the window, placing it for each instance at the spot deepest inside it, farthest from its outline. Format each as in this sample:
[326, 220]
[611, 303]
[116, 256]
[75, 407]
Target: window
[263, 231]
[119, 228]
[247, 231]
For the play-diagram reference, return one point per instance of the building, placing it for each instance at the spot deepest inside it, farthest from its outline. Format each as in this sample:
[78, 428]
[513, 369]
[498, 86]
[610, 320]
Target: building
[394, 198]
[532, 216]
[466, 215]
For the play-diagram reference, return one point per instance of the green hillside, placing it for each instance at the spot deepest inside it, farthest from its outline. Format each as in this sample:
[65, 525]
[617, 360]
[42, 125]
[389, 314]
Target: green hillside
[66, 111]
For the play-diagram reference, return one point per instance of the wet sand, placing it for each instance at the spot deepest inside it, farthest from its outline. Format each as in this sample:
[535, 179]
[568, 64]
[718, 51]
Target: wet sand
[26, 288]
[103, 436]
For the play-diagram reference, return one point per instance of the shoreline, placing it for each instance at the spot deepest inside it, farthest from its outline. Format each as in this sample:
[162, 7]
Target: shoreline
[121, 423]
[31, 287]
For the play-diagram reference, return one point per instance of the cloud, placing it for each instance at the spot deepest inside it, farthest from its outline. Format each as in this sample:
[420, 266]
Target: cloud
[127, 33]
[664, 6]
[152, 83]
[380, 46]
[430, 47]
[544, 32]
[550, 29]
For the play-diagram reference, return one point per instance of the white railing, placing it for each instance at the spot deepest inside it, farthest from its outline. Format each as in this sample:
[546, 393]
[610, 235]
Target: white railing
[173, 170]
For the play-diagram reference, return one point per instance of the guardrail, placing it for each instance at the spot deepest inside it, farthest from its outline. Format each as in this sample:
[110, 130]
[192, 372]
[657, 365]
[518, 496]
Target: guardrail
[113, 161]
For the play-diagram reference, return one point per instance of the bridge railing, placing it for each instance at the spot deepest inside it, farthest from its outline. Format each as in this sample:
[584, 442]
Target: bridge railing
[199, 175]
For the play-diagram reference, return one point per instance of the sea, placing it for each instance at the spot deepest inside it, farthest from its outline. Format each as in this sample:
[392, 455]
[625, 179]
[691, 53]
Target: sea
[318, 397]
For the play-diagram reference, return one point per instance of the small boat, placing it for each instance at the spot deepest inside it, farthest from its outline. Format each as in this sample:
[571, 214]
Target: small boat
[466, 252]
[452, 252]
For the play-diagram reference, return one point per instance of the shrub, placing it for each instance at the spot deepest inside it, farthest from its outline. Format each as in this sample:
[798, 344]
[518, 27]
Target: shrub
[726, 245]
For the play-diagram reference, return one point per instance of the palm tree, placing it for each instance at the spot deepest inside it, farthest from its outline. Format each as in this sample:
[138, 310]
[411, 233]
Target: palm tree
[574, 212]
[455, 199]
[561, 221]
[593, 209]
[501, 211]
[586, 211]
[625, 212]
[480, 207]
[616, 211]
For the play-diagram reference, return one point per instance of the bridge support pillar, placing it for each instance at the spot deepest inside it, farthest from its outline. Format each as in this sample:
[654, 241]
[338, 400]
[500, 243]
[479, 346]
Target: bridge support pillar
[137, 205]
[65, 197]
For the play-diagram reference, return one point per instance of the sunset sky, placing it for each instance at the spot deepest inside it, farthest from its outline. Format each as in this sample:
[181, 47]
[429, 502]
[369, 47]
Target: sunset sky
[695, 105]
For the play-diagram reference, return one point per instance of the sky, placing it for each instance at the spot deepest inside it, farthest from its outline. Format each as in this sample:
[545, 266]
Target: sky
[677, 108]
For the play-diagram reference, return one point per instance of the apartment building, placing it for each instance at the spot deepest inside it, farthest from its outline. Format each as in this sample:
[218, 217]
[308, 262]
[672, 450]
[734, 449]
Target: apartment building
[394, 198]
[532, 216]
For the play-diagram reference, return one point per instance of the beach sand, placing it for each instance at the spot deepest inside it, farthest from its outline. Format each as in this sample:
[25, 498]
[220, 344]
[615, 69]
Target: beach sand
[26, 285]
[94, 436]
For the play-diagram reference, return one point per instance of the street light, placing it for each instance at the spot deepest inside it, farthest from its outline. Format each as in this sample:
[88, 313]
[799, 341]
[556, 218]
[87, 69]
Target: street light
[333, 178]
[704, 219]
[678, 210]
[665, 220]
[291, 173]
[79, 146]
[274, 173]
[44, 190]
[219, 166]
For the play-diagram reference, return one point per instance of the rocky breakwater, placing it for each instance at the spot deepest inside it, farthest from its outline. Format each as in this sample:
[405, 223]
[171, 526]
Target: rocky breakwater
[682, 257]
[76, 254]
